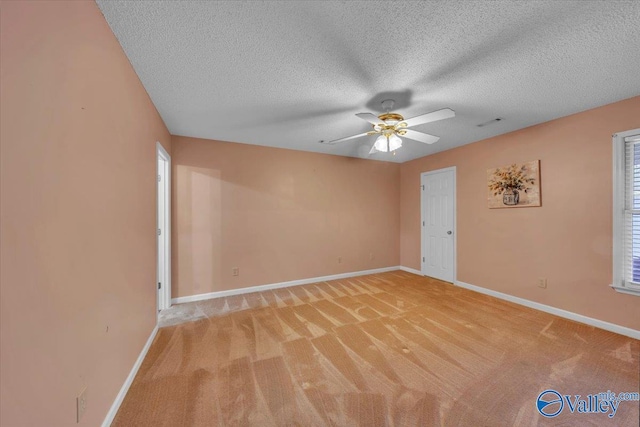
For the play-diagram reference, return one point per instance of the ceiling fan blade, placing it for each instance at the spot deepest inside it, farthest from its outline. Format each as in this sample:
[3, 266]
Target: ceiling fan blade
[335, 141]
[422, 137]
[374, 120]
[433, 116]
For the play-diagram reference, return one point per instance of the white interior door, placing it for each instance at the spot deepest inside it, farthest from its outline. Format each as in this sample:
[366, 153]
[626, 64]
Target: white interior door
[438, 190]
[164, 229]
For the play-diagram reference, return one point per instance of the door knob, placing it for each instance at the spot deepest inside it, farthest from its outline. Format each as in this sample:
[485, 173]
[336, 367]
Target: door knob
[449, 232]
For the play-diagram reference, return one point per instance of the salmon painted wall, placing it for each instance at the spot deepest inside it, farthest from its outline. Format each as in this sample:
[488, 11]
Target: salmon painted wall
[567, 240]
[277, 215]
[78, 194]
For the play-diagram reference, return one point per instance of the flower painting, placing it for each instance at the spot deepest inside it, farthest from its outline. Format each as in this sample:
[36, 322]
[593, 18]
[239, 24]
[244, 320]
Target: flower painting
[514, 186]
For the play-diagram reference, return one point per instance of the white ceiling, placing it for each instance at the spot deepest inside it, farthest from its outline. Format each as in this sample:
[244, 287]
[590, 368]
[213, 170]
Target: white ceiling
[288, 74]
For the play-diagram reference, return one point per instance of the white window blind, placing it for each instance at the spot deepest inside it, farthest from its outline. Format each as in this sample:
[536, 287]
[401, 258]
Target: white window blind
[627, 212]
[632, 210]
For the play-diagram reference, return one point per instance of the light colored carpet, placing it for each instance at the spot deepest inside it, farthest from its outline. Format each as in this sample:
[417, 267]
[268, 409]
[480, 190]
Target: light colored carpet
[391, 349]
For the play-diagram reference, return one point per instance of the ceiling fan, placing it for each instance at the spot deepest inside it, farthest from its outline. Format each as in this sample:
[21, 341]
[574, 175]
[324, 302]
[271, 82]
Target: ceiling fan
[391, 126]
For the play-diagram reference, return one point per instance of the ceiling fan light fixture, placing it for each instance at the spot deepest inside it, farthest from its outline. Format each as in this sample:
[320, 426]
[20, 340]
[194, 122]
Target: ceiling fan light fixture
[394, 142]
[381, 144]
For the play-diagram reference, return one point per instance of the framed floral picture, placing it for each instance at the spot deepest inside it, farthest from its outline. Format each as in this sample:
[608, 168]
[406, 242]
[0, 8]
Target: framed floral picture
[514, 186]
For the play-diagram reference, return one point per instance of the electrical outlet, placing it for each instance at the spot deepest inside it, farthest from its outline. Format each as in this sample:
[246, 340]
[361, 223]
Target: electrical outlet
[371, 256]
[339, 260]
[81, 404]
[235, 271]
[542, 283]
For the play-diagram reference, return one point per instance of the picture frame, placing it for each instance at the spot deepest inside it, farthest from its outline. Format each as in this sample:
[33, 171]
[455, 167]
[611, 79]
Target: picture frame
[514, 186]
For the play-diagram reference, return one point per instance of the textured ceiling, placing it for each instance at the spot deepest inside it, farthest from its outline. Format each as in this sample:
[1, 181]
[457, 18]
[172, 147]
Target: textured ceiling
[288, 74]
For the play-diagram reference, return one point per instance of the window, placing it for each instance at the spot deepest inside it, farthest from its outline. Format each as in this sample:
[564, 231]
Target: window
[626, 212]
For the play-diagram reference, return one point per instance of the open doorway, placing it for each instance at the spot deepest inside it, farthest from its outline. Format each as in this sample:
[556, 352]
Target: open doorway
[163, 228]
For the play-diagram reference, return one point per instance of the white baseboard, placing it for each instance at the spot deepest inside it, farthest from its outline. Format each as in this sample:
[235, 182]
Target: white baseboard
[411, 270]
[259, 288]
[125, 387]
[612, 327]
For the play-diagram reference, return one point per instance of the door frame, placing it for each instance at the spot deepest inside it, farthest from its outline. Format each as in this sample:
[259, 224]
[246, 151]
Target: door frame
[423, 203]
[163, 296]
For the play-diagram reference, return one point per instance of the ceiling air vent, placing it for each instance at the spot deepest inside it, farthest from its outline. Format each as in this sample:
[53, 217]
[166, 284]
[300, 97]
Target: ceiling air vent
[497, 119]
